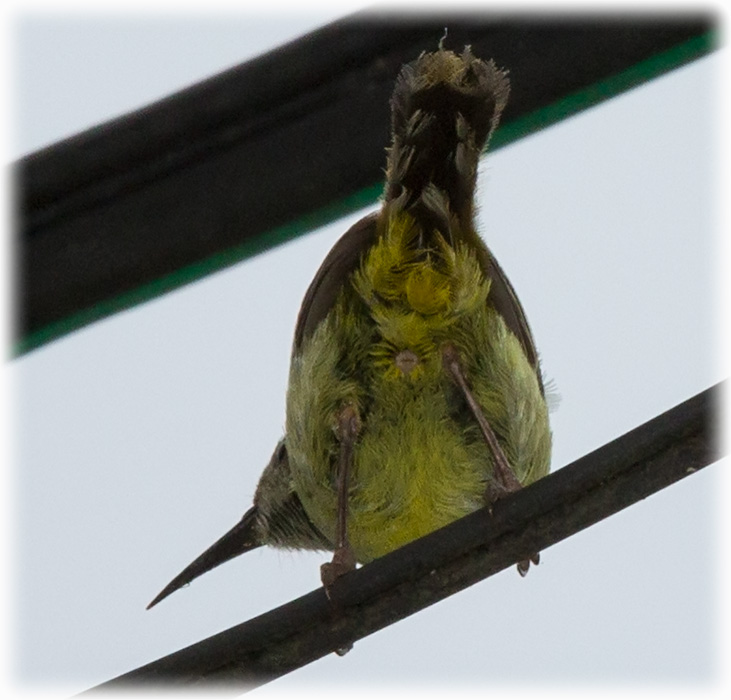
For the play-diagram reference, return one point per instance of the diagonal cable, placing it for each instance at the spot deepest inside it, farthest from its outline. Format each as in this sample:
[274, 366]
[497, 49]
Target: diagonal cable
[645, 460]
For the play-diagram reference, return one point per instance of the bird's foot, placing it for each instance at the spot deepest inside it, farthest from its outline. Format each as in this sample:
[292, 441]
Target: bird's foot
[494, 492]
[524, 565]
[504, 480]
[342, 562]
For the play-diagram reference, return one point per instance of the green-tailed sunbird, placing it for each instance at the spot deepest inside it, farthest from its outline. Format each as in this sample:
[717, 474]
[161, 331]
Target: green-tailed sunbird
[415, 394]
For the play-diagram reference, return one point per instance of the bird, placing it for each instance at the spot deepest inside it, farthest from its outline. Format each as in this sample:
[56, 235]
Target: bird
[415, 392]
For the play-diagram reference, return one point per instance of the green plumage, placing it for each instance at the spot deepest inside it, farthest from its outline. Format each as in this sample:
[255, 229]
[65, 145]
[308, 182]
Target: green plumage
[414, 370]
[421, 461]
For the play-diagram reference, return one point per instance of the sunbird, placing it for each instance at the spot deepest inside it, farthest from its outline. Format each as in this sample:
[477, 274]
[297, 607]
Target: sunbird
[415, 393]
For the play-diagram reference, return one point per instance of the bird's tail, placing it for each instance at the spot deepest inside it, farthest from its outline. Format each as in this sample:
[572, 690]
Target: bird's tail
[444, 109]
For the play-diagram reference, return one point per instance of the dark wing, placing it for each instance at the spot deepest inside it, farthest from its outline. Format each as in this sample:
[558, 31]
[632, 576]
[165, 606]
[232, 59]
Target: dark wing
[505, 301]
[343, 259]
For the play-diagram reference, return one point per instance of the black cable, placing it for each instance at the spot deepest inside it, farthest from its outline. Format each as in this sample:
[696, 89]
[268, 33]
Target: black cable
[264, 151]
[658, 453]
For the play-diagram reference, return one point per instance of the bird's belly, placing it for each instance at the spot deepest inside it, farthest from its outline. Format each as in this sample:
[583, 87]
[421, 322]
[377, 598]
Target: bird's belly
[412, 474]
[416, 466]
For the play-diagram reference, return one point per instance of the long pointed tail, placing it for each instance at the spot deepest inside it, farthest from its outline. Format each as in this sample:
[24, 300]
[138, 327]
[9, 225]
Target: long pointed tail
[239, 539]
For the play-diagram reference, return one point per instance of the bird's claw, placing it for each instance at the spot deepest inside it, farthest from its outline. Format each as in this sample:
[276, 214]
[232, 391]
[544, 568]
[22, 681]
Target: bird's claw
[342, 562]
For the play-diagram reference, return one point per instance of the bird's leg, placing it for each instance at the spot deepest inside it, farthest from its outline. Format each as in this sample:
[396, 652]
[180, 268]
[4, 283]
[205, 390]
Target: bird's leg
[505, 481]
[348, 425]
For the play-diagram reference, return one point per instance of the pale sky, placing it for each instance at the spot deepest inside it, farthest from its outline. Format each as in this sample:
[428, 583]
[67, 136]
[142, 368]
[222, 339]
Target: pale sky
[139, 440]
